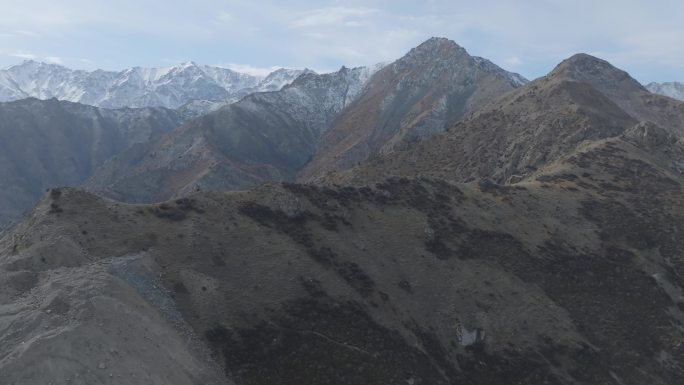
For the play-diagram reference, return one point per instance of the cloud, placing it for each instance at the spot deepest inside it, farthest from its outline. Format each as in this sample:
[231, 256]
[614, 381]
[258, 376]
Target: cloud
[333, 16]
[54, 59]
[513, 61]
[23, 32]
[24, 55]
[224, 17]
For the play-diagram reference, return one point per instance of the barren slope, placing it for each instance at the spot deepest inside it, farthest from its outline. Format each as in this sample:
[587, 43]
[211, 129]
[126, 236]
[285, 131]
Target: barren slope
[415, 97]
[572, 278]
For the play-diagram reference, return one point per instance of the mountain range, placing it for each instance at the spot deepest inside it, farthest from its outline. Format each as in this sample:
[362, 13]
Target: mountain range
[170, 87]
[442, 221]
[298, 130]
[527, 129]
[263, 137]
[674, 90]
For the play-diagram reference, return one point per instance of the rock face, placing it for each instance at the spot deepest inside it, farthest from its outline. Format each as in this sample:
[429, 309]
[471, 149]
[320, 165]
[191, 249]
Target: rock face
[417, 96]
[52, 143]
[583, 99]
[169, 87]
[264, 136]
[675, 90]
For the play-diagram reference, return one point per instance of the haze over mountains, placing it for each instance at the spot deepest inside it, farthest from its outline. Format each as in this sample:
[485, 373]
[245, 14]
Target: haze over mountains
[169, 87]
[453, 224]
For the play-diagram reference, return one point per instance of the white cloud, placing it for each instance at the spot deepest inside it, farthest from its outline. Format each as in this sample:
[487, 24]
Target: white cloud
[225, 17]
[24, 32]
[513, 61]
[333, 16]
[54, 59]
[24, 55]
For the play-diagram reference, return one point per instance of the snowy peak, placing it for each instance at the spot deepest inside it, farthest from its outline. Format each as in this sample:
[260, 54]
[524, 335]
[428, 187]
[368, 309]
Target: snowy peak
[169, 87]
[675, 90]
[280, 78]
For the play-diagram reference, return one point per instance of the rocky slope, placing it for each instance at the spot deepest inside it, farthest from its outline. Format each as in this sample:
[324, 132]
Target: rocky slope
[582, 99]
[417, 96]
[264, 136]
[574, 277]
[675, 90]
[169, 87]
[52, 143]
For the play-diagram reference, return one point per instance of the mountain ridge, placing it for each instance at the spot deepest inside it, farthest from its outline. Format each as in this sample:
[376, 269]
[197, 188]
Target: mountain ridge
[169, 87]
[583, 98]
[674, 90]
[264, 136]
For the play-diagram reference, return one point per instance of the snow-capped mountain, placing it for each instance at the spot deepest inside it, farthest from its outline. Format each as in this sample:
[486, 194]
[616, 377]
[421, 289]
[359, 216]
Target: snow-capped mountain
[674, 90]
[275, 81]
[169, 87]
[264, 136]
[272, 82]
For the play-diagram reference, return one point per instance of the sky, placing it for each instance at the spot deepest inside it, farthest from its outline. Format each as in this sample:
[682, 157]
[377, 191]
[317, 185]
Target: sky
[645, 38]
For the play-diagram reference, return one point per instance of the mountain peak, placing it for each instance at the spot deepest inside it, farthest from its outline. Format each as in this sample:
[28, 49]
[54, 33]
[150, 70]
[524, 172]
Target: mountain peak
[602, 75]
[30, 63]
[439, 41]
[187, 64]
[584, 67]
[435, 51]
[435, 45]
